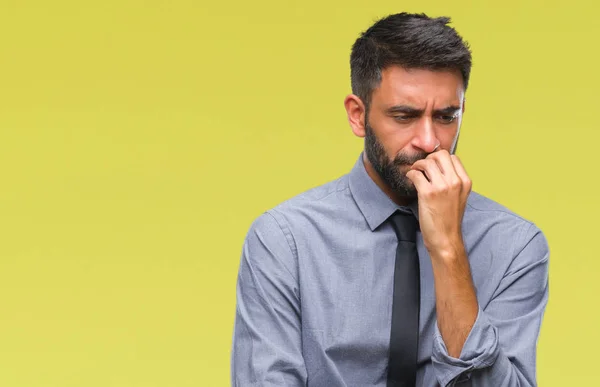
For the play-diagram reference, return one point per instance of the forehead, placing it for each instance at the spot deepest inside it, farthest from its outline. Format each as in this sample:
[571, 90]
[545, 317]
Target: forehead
[419, 87]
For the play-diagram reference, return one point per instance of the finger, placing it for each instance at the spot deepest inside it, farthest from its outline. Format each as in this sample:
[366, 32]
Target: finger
[430, 168]
[445, 163]
[419, 180]
[462, 173]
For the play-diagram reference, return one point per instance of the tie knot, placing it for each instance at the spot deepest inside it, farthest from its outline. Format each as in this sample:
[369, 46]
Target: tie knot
[405, 225]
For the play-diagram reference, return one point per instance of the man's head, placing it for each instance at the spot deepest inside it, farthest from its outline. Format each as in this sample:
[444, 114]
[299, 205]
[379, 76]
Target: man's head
[409, 75]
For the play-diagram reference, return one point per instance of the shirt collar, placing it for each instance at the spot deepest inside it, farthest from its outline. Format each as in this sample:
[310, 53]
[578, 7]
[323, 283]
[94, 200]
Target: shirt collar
[374, 204]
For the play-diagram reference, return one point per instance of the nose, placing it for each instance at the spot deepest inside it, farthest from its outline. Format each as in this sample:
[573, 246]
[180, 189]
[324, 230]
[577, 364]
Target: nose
[424, 137]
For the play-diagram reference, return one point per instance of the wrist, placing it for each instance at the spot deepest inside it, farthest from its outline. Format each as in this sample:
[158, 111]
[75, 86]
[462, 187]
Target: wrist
[450, 251]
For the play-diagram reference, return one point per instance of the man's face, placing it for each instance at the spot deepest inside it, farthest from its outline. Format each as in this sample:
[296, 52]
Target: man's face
[410, 113]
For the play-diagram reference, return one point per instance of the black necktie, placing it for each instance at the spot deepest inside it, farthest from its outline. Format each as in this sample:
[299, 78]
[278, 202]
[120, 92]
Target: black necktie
[404, 337]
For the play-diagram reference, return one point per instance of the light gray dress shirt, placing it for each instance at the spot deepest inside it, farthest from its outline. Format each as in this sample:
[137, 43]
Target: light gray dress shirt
[314, 294]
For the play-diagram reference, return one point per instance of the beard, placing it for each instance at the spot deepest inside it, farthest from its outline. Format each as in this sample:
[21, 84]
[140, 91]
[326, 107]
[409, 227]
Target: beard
[391, 171]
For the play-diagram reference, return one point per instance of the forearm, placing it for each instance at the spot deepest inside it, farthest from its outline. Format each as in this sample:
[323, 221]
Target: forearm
[456, 301]
[500, 348]
[484, 361]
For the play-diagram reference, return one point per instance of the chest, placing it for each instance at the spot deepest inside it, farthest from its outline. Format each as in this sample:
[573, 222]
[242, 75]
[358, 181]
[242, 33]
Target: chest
[346, 289]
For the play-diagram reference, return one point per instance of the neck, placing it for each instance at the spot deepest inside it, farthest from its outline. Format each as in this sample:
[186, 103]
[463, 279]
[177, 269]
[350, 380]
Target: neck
[393, 195]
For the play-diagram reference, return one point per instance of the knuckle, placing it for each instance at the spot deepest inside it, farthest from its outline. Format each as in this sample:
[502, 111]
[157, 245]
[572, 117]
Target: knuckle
[439, 190]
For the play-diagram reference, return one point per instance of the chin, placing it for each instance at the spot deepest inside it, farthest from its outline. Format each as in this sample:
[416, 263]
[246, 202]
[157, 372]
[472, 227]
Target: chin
[406, 188]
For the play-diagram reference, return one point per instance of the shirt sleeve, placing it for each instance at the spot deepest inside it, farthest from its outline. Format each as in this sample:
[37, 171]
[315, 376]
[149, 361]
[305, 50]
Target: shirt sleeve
[500, 350]
[266, 348]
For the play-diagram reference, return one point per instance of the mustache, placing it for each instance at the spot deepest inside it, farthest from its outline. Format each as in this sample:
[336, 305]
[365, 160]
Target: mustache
[404, 159]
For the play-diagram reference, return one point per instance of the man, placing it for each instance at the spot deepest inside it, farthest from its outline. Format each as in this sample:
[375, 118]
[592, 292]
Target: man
[396, 274]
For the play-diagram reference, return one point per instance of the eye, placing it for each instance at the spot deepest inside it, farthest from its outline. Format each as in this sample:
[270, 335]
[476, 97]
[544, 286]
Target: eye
[447, 119]
[403, 118]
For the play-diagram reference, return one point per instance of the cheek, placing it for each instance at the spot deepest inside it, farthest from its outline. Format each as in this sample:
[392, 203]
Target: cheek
[395, 138]
[447, 135]
[383, 135]
[399, 144]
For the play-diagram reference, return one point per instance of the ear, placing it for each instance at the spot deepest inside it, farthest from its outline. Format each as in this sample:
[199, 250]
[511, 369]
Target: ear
[355, 109]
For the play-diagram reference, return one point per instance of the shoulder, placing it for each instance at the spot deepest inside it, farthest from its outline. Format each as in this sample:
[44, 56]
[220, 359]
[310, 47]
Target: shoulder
[308, 206]
[510, 232]
[485, 210]
[482, 204]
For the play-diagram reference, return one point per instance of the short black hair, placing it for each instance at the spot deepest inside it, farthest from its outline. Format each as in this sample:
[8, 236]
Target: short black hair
[411, 41]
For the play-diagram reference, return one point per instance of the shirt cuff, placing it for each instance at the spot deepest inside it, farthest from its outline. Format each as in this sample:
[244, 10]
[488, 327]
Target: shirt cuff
[480, 350]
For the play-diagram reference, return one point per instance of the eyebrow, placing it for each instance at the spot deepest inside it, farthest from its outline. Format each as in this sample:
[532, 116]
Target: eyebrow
[405, 109]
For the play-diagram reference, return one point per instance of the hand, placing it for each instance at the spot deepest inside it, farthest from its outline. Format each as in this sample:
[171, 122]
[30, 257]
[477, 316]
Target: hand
[443, 187]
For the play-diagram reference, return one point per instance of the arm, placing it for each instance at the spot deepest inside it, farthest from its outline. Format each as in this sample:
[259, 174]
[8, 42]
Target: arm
[266, 347]
[455, 298]
[500, 350]
[493, 345]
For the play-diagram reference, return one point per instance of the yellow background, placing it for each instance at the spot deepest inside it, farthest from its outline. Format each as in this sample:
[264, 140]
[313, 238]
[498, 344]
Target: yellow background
[139, 139]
